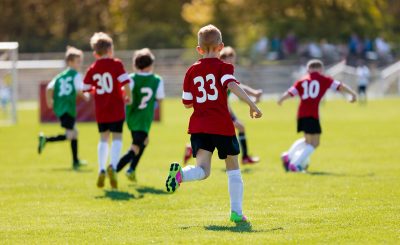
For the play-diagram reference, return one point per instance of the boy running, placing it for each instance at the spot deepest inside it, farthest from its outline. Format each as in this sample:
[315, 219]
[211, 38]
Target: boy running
[311, 90]
[228, 55]
[205, 90]
[108, 77]
[61, 95]
[147, 88]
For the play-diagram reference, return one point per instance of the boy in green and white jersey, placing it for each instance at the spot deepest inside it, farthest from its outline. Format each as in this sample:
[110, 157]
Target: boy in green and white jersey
[61, 95]
[147, 89]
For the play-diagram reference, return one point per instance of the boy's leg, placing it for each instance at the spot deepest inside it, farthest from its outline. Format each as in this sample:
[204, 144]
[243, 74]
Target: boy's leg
[60, 137]
[72, 135]
[202, 169]
[246, 159]
[140, 141]
[125, 159]
[235, 187]
[311, 142]
[102, 152]
[116, 146]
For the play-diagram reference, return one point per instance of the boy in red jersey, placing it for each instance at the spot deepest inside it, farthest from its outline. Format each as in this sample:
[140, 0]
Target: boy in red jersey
[205, 90]
[228, 55]
[108, 77]
[311, 90]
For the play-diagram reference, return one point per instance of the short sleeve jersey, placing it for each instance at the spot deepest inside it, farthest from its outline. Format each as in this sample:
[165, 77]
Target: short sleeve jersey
[146, 88]
[106, 77]
[311, 89]
[205, 86]
[65, 86]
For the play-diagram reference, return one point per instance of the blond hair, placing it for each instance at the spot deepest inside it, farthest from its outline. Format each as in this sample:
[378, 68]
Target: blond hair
[71, 53]
[226, 52]
[143, 58]
[101, 43]
[315, 64]
[209, 37]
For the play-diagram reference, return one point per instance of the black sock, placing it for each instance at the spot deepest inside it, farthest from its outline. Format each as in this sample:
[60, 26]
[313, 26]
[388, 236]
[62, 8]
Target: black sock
[136, 159]
[125, 160]
[60, 137]
[74, 148]
[243, 144]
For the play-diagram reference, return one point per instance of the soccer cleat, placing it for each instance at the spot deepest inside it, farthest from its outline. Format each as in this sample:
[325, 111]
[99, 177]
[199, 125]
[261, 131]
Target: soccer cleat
[187, 155]
[131, 175]
[238, 218]
[294, 168]
[249, 160]
[42, 143]
[285, 161]
[112, 174]
[79, 163]
[174, 178]
[101, 179]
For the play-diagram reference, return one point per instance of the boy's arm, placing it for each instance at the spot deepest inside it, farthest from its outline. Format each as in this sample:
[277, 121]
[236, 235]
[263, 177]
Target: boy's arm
[239, 92]
[49, 94]
[187, 96]
[291, 92]
[344, 89]
[80, 87]
[284, 97]
[49, 97]
[251, 91]
[128, 94]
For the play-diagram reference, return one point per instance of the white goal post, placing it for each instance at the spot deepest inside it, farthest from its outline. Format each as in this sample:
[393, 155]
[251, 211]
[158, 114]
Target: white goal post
[9, 92]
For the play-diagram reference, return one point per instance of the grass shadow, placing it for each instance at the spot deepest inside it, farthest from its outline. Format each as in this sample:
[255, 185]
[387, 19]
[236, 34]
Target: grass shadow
[322, 173]
[239, 227]
[118, 195]
[243, 170]
[150, 190]
[79, 170]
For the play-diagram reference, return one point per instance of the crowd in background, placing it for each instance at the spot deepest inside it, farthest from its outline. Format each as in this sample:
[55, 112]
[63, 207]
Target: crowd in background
[357, 48]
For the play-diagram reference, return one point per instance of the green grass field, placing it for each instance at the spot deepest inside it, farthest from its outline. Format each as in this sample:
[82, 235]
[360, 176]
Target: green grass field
[352, 194]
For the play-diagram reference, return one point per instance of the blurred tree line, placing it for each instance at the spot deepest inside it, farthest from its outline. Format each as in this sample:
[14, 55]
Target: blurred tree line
[49, 25]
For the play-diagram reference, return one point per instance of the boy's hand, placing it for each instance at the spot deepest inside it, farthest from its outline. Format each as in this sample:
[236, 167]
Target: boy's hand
[280, 101]
[128, 100]
[86, 96]
[258, 95]
[255, 112]
[353, 98]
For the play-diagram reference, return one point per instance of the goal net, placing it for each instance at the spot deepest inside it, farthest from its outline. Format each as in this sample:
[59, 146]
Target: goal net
[8, 82]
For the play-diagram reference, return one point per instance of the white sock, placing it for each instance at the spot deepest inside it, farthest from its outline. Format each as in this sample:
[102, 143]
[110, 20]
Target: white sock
[308, 149]
[300, 143]
[116, 146]
[102, 153]
[235, 187]
[191, 173]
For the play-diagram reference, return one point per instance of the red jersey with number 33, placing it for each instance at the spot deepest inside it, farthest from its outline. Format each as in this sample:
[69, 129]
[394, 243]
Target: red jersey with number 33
[106, 77]
[311, 89]
[205, 86]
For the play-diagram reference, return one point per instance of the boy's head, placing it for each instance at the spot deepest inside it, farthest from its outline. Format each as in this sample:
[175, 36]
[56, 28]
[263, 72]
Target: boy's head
[143, 58]
[228, 55]
[102, 44]
[315, 66]
[73, 57]
[209, 40]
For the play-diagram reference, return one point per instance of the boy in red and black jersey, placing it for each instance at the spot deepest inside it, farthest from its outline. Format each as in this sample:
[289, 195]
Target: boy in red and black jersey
[205, 90]
[108, 78]
[311, 89]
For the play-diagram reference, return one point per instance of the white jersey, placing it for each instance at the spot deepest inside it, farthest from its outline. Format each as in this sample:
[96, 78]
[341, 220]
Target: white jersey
[363, 75]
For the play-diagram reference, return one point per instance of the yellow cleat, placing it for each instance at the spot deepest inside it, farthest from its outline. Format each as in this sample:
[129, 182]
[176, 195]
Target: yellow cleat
[112, 174]
[101, 179]
[131, 175]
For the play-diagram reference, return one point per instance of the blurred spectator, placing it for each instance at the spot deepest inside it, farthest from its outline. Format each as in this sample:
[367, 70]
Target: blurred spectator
[314, 51]
[260, 49]
[355, 45]
[329, 51]
[290, 44]
[383, 50]
[363, 76]
[276, 49]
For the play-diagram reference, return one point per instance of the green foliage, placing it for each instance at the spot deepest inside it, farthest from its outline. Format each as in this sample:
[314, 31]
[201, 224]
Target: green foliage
[174, 23]
[352, 195]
